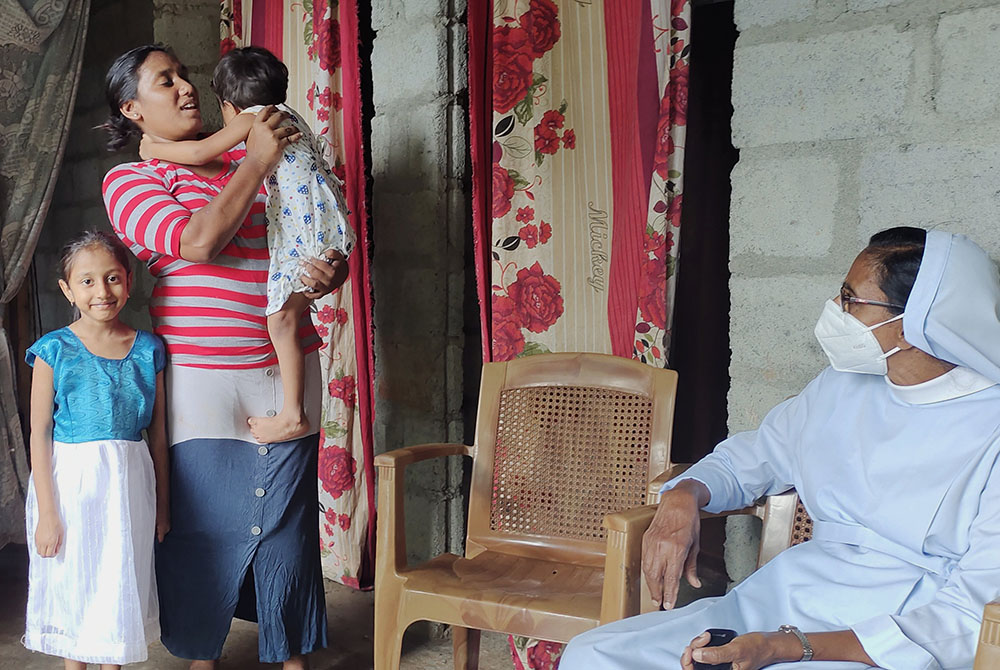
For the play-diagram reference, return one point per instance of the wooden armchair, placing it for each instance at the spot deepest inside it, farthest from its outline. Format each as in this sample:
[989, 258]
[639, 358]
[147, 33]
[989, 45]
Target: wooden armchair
[561, 441]
[785, 524]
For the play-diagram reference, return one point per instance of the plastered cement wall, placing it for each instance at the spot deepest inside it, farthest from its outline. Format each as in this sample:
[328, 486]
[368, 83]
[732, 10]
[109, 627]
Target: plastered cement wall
[851, 116]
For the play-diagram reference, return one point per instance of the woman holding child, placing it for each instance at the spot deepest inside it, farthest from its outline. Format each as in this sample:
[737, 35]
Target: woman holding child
[244, 539]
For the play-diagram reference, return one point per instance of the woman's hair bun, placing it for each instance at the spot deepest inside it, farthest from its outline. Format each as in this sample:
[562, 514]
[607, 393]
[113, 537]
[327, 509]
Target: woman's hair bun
[120, 131]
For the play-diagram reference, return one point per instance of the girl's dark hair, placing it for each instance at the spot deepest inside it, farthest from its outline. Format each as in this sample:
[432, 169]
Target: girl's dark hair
[121, 85]
[250, 76]
[90, 239]
[896, 254]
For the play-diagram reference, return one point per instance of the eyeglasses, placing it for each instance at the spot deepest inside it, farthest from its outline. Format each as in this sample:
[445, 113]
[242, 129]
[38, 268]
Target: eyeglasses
[848, 299]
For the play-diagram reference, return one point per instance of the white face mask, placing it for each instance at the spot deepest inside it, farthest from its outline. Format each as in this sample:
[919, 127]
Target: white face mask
[850, 345]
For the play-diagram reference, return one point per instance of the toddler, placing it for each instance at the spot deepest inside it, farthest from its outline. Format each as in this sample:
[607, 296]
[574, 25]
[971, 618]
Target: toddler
[306, 214]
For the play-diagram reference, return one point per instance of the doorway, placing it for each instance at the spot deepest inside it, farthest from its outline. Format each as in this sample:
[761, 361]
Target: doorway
[700, 343]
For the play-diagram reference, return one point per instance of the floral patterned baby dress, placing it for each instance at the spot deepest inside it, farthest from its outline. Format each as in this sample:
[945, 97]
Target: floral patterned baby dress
[306, 212]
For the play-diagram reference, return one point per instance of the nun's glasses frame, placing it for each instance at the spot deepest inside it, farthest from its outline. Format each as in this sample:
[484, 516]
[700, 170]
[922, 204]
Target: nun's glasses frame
[848, 299]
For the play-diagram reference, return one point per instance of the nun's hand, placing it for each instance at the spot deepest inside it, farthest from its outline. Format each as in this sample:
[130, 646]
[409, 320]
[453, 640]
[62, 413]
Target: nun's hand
[325, 274]
[746, 652]
[670, 545]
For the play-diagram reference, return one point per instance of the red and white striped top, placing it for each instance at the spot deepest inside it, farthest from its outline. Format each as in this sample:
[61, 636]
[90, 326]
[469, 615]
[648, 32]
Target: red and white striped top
[211, 315]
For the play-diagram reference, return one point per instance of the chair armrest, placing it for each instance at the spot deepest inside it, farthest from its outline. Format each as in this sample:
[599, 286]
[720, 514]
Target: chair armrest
[653, 490]
[623, 564]
[390, 557]
[400, 458]
[988, 651]
[757, 510]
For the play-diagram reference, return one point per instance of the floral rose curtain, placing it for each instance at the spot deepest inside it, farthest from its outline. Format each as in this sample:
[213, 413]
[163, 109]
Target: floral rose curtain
[41, 51]
[578, 113]
[324, 88]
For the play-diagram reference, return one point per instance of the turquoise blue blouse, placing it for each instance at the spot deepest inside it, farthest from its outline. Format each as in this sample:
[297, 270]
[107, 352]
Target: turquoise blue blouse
[100, 398]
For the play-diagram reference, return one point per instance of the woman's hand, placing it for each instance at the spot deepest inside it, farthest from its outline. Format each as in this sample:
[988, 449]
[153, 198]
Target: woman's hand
[670, 545]
[268, 138]
[324, 276]
[162, 521]
[745, 652]
[48, 535]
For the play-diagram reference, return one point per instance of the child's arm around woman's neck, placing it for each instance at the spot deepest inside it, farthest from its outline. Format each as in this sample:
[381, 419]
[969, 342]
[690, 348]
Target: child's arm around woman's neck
[198, 152]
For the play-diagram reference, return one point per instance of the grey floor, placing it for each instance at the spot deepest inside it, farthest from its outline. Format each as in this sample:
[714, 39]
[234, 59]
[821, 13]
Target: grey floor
[350, 615]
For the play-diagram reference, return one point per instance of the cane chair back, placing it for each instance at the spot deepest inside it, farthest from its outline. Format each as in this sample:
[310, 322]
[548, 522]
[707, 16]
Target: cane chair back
[587, 447]
[563, 441]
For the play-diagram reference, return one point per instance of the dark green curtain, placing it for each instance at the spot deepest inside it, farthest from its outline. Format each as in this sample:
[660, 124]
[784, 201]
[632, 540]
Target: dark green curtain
[41, 49]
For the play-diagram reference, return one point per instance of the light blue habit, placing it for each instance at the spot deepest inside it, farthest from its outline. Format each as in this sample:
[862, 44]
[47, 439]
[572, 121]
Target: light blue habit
[903, 484]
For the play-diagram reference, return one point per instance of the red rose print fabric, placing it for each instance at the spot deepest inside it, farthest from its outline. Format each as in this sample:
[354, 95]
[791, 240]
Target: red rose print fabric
[231, 25]
[323, 88]
[579, 219]
[658, 269]
[578, 114]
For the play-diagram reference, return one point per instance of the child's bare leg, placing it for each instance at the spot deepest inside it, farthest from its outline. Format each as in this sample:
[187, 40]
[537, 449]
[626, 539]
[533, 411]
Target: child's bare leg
[203, 665]
[110, 666]
[290, 422]
[74, 665]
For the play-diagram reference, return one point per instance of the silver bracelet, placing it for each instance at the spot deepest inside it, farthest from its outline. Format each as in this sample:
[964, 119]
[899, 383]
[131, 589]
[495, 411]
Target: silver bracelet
[807, 650]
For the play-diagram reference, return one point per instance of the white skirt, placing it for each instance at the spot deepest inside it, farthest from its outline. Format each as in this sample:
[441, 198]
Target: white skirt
[95, 600]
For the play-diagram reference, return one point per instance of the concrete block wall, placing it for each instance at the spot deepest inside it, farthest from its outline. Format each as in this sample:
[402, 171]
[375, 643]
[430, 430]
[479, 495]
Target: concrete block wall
[191, 27]
[115, 26]
[420, 219]
[851, 116]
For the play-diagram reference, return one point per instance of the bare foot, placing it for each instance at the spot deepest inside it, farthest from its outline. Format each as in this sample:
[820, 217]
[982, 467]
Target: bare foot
[269, 429]
[296, 663]
[204, 665]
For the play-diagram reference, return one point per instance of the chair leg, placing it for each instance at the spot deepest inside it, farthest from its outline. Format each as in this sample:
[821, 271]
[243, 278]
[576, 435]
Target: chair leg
[389, 630]
[465, 646]
[388, 647]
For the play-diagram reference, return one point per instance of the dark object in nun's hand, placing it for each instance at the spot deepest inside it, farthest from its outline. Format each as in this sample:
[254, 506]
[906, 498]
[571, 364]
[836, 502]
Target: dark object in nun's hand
[720, 636]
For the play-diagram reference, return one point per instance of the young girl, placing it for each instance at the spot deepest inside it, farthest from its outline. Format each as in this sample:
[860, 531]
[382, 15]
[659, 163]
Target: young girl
[306, 214]
[96, 497]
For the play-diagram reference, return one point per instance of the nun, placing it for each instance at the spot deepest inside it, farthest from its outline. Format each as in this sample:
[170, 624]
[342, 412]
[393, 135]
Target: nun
[893, 450]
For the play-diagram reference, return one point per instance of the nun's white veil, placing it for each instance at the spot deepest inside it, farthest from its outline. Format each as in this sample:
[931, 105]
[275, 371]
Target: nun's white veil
[953, 312]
